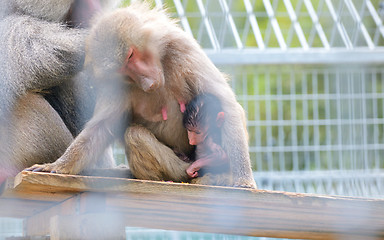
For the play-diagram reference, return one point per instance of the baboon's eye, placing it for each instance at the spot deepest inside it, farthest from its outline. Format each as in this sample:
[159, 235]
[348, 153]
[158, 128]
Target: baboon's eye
[130, 56]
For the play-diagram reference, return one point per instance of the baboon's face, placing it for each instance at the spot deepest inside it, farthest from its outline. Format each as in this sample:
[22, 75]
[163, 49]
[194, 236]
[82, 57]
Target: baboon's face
[144, 68]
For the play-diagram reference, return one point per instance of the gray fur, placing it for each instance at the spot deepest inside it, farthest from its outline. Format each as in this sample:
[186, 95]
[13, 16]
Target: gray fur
[36, 55]
[54, 11]
[45, 99]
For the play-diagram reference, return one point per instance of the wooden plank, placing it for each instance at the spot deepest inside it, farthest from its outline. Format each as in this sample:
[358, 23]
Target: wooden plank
[87, 226]
[39, 223]
[21, 208]
[14, 200]
[88, 202]
[274, 216]
[190, 207]
[39, 191]
[29, 199]
[29, 238]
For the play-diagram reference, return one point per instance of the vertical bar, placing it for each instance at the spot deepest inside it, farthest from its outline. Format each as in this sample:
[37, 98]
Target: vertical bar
[245, 92]
[269, 118]
[254, 25]
[316, 131]
[246, 31]
[296, 24]
[221, 31]
[295, 156]
[375, 16]
[364, 116]
[259, 155]
[231, 23]
[339, 26]
[201, 30]
[159, 3]
[290, 36]
[359, 23]
[375, 116]
[275, 24]
[328, 117]
[315, 20]
[208, 26]
[382, 109]
[339, 122]
[183, 19]
[351, 111]
[305, 120]
[268, 33]
[280, 122]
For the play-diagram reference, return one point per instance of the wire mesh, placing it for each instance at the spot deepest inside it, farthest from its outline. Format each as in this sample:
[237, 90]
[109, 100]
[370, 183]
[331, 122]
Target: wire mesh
[282, 24]
[315, 128]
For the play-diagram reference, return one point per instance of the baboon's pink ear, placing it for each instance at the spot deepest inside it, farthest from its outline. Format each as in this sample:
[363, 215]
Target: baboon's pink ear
[220, 119]
[124, 68]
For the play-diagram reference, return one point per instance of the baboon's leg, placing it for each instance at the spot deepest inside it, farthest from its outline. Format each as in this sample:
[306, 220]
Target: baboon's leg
[34, 133]
[150, 159]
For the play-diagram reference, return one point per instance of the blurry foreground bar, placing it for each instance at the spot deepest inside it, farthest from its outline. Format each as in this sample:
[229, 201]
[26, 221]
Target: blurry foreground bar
[90, 207]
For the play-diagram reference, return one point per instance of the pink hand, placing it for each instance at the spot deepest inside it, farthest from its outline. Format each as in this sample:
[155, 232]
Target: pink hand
[164, 113]
[182, 106]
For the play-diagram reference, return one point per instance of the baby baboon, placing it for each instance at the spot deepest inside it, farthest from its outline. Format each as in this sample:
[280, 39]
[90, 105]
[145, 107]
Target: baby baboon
[203, 119]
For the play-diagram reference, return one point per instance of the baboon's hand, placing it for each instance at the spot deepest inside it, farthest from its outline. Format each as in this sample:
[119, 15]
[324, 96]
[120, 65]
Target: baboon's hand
[48, 167]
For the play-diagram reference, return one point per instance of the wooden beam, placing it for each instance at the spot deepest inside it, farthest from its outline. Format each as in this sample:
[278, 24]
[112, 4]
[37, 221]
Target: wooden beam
[254, 213]
[39, 224]
[87, 226]
[188, 207]
[21, 208]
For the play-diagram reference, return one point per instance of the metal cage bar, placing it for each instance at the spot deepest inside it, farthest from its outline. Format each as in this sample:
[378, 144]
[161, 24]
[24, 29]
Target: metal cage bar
[183, 19]
[358, 21]
[375, 16]
[296, 25]
[208, 26]
[275, 24]
[315, 119]
[255, 27]
[318, 27]
[231, 23]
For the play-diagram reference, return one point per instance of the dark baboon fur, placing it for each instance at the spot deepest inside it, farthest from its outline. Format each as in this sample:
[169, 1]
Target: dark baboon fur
[45, 99]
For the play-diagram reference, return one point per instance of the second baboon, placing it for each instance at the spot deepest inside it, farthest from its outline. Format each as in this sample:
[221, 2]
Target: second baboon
[45, 99]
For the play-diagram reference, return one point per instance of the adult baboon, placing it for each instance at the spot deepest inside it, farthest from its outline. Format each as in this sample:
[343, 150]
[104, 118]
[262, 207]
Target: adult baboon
[146, 68]
[45, 99]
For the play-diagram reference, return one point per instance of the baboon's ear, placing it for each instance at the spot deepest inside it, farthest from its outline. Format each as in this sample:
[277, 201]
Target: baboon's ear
[220, 119]
[124, 68]
[143, 68]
